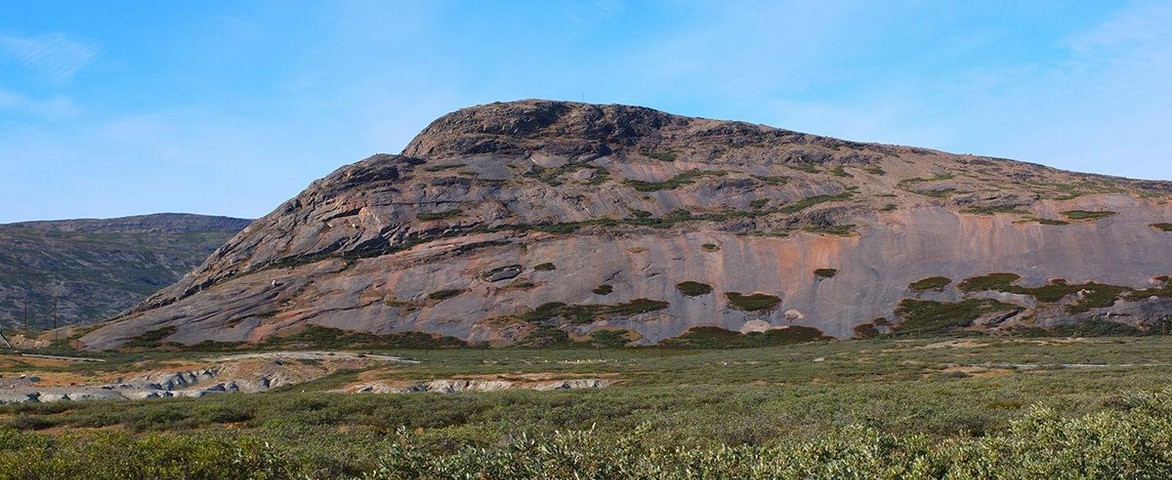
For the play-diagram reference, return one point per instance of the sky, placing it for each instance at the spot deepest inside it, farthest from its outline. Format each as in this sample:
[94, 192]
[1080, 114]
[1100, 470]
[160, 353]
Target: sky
[230, 107]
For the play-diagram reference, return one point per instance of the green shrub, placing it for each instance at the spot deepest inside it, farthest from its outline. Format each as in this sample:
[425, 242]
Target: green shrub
[927, 316]
[716, 337]
[603, 289]
[752, 303]
[693, 289]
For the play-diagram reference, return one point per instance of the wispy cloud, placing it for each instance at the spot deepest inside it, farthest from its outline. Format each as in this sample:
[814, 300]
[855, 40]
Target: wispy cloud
[54, 108]
[55, 56]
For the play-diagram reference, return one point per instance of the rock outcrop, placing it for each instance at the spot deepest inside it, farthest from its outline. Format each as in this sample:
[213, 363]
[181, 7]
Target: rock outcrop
[535, 221]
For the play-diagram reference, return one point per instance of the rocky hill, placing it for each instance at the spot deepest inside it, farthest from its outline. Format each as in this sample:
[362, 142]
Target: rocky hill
[540, 222]
[70, 272]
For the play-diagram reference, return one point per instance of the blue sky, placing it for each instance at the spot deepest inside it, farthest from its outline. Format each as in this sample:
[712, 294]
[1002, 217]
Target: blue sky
[230, 107]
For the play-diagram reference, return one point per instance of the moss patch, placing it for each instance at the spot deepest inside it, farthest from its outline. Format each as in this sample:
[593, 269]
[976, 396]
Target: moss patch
[772, 180]
[826, 272]
[799, 205]
[665, 156]
[1087, 215]
[694, 289]
[1000, 282]
[684, 178]
[442, 295]
[545, 267]
[752, 303]
[603, 289]
[930, 283]
[446, 214]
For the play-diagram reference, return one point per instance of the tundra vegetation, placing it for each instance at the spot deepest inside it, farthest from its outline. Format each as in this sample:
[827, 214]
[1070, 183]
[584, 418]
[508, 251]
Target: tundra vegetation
[905, 407]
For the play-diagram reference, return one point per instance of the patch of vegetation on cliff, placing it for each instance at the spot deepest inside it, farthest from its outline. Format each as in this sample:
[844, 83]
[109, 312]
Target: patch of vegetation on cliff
[752, 303]
[716, 337]
[1164, 227]
[1087, 214]
[1091, 294]
[928, 316]
[552, 176]
[799, 205]
[545, 267]
[826, 272]
[150, 338]
[513, 269]
[864, 331]
[693, 289]
[774, 180]
[441, 295]
[930, 283]
[803, 167]
[1164, 291]
[663, 156]
[440, 216]
[681, 179]
[603, 289]
[842, 230]
[993, 209]
[581, 314]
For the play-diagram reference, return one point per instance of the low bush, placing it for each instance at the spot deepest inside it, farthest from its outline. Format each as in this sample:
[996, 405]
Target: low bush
[752, 303]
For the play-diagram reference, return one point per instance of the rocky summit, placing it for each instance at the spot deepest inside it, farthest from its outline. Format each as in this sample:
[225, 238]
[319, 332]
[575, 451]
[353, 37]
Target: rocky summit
[541, 222]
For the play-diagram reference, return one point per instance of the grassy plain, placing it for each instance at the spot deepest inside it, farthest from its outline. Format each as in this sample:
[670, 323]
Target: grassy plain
[921, 395]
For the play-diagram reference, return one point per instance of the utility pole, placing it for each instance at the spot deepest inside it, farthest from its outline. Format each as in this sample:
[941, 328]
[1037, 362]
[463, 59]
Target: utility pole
[27, 300]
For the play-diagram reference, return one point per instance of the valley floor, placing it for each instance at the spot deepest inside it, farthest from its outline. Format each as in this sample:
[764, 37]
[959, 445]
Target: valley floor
[973, 407]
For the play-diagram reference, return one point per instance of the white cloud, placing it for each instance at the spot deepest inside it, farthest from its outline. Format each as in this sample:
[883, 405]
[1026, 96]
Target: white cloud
[55, 56]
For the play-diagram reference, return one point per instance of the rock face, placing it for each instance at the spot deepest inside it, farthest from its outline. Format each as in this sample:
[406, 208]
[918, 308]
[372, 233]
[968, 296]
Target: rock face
[72, 272]
[535, 221]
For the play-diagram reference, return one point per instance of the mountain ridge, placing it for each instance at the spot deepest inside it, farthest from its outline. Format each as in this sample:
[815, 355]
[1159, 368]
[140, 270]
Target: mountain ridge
[67, 272]
[481, 189]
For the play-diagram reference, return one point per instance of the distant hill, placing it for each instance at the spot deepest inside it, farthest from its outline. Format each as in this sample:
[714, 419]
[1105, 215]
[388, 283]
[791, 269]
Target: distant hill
[541, 223]
[55, 273]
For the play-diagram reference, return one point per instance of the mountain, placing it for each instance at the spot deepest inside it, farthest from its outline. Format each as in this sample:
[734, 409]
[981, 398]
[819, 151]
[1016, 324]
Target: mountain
[538, 222]
[67, 272]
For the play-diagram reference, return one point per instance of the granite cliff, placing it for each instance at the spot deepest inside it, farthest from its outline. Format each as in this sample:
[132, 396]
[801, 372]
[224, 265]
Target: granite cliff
[537, 222]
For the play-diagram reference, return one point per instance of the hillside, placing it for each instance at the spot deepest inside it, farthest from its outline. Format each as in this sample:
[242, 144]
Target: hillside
[539, 222]
[67, 272]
